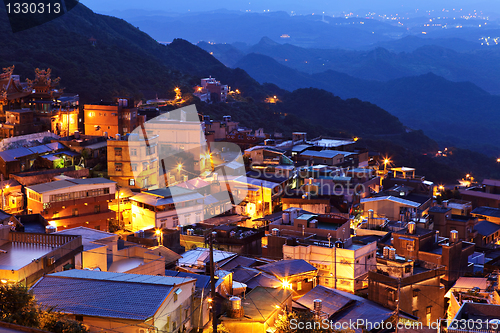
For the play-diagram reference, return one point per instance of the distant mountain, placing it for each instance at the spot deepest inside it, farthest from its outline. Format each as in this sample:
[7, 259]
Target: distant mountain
[480, 66]
[460, 114]
[124, 60]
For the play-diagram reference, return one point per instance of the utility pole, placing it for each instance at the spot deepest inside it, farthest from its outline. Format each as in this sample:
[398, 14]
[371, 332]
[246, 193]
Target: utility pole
[212, 281]
[397, 305]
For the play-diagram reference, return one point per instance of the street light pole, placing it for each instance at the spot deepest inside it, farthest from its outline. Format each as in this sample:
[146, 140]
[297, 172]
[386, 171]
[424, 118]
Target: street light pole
[212, 280]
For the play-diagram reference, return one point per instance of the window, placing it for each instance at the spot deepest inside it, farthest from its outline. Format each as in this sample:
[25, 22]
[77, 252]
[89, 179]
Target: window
[144, 166]
[131, 182]
[299, 285]
[133, 167]
[176, 221]
[118, 167]
[391, 295]
[118, 152]
[97, 209]
[415, 292]
[133, 152]
[408, 269]
[75, 211]
[428, 310]
[56, 213]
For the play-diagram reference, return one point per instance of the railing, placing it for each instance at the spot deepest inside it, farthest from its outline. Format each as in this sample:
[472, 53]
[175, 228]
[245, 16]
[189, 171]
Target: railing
[42, 239]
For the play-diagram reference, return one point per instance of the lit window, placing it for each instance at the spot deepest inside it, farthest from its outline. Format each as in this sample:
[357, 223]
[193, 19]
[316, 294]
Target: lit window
[118, 167]
[131, 182]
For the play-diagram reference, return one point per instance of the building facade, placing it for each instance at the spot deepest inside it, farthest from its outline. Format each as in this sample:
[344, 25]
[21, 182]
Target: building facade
[73, 203]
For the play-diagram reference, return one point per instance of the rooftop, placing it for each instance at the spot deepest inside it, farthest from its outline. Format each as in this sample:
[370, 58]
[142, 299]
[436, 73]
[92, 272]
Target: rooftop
[60, 184]
[19, 254]
[199, 256]
[486, 228]
[286, 268]
[393, 199]
[262, 302]
[487, 211]
[89, 236]
[105, 294]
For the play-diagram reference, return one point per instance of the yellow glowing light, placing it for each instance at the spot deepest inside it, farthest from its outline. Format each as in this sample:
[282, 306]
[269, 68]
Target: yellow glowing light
[179, 167]
[275, 97]
[7, 186]
[209, 300]
[53, 223]
[237, 91]
[158, 232]
[176, 89]
[286, 285]
[387, 161]
[277, 306]
[355, 138]
[467, 175]
[3, 281]
[441, 187]
[199, 88]
[498, 160]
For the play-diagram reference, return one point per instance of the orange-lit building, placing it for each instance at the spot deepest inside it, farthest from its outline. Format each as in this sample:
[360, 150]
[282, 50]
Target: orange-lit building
[70, 203]
[132, 163]
[109, 119]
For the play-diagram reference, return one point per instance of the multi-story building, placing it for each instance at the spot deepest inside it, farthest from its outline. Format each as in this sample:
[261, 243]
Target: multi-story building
[166, 208]
[212, 90]
[19, 122]
[119, 117]
[417, 288]
[73, 203]
[132, 163]
[341, 265]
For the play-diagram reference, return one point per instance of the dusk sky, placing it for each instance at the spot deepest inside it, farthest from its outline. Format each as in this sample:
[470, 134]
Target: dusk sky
[300, 6]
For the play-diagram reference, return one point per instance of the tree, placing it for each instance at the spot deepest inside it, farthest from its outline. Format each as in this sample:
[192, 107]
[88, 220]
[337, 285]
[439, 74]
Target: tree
[18, 306]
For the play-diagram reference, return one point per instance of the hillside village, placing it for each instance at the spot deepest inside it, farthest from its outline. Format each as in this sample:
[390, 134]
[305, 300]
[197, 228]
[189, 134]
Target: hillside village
[109, 205]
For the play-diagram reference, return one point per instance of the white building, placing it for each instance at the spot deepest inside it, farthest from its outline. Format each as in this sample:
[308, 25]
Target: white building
[344, 266]
[166, 208]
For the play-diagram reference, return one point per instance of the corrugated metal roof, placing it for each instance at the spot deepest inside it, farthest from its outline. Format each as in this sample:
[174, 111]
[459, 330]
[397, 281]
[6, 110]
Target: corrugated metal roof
[331, 300]
[159, 201]
[261, 302]
[101, 298]
[285, 268]
[55, 146]
[40, 149]
[59, 184]
[471, 282]
[487, 211]
[198, 255]
[97, 145]
[13, 154]
[255, 182]
[393, 199]
[491, 182]
[486, 228]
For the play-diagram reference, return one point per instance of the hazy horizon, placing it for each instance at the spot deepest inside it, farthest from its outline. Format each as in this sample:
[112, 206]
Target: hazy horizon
[297, 6]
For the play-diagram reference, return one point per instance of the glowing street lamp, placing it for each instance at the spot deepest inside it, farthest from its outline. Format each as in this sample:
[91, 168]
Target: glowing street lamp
[386, 161]
[179, 167]
[285, 284]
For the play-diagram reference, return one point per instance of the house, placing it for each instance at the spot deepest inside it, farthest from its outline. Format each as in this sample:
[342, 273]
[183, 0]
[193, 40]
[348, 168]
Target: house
[425, 245]
[392, 207]
[416, 287]
[166, 208]
[265, 155]
[469, 289]
[198, 260]
[109, 301]
[341, 265]
[295, 274]
[133, 161]
[229, 238]
[19, 122]
[25, 257]
[487, 233]
[201, 297]
[252, 278]
[328, 157]
[485, 317]
[480, 198]
[104, 251]
[109, 119]
[211, 90]
[258, 311]
[344, 308]
[261, 195]
[487, 213]
[445, 221]
[71, 202]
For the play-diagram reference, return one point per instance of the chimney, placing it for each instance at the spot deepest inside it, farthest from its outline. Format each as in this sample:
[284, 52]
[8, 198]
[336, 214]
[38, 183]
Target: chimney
[317, 307]
[386, 252]
[437, 236]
